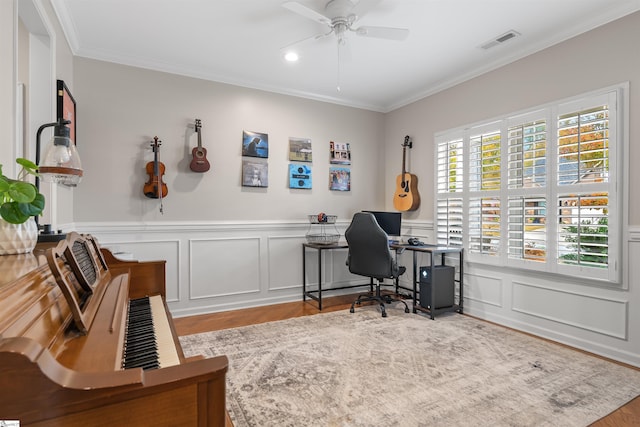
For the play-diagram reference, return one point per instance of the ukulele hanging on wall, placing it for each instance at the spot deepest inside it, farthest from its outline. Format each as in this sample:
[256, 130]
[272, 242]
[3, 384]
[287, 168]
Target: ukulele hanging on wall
[199, 163]
[155, 188]
[406, 197]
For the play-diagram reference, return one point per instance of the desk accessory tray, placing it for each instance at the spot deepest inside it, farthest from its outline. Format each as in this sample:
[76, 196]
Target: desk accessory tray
[322, 229]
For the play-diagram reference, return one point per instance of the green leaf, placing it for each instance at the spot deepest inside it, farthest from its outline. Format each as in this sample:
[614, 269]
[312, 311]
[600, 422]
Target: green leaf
[12, 213]
[4, 185]
[22, 192]
[28, 165]
[34, 208]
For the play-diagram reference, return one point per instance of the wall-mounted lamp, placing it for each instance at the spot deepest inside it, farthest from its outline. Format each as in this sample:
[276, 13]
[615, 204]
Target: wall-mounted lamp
[61, 165]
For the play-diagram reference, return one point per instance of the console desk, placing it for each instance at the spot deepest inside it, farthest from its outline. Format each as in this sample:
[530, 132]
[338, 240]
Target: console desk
[317, 294]
[434, 251]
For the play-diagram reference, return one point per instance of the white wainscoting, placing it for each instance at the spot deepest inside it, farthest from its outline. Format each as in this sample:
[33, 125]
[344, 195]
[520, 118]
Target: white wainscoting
[223, 266]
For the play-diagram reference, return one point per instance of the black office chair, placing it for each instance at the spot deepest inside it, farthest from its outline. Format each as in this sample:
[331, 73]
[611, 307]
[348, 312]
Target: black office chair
[369, 255]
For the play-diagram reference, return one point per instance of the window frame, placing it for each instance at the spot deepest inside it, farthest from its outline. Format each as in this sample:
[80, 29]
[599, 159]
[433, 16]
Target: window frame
[616, 186]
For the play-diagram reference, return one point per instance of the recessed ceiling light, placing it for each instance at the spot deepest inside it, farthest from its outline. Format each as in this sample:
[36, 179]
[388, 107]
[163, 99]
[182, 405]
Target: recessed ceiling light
[291, 56]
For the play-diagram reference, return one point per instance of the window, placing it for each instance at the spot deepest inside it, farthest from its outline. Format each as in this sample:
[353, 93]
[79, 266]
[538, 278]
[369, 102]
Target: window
[537, 190]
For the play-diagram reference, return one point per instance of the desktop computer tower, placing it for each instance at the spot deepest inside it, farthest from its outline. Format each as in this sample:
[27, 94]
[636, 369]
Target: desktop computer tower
[442, 277]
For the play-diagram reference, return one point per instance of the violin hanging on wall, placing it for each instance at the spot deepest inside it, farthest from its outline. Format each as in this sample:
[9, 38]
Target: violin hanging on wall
[155, 188]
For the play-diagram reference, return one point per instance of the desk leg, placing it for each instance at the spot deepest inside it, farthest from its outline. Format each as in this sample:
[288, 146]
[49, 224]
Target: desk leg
[460, 282]
[433, 289]
[304, 273]
[415, 281]
[320, 279]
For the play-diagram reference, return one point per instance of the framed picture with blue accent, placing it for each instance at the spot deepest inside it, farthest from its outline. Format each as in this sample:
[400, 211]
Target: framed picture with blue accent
[339, 179]
[299, 176]
[255, 144]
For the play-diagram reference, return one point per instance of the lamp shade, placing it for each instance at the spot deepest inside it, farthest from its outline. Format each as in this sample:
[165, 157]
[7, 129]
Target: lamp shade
[61, 162]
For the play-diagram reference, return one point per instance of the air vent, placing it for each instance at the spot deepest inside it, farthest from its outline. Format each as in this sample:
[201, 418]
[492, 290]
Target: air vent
[500, 39]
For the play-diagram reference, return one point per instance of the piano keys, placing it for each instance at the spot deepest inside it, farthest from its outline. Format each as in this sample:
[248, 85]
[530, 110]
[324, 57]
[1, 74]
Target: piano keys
[148, 343]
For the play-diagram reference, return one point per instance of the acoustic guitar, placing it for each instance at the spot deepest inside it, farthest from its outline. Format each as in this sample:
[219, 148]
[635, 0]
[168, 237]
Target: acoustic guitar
[406, 197]
[199, 162]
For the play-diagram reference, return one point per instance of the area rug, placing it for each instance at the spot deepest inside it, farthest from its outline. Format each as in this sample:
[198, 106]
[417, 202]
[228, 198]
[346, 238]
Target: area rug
[343, 369]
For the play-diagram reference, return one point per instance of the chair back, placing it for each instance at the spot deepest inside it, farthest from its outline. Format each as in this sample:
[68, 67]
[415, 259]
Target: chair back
[369, 253]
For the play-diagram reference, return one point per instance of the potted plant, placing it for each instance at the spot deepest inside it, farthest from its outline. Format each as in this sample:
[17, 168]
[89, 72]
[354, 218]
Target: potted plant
[20, 202]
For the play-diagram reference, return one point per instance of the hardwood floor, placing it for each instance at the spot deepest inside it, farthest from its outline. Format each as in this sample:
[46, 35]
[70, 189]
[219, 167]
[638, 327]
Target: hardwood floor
[627, 415]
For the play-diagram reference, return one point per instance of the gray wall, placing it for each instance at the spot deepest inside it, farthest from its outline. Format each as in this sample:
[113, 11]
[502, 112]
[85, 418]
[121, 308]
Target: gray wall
[122, 108]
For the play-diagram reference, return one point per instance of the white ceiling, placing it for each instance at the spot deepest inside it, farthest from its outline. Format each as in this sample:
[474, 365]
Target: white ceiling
[239, 42]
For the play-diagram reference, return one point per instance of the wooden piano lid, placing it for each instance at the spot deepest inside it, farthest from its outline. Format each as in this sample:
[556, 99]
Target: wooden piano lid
[13, 267]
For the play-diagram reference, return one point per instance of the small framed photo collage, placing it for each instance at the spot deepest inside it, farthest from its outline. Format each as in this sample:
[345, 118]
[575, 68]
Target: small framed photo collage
[255, 169]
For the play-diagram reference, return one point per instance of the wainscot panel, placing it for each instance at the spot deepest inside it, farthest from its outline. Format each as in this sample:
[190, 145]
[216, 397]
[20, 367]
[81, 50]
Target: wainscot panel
[483, 289]
[224, 266]
[602, 315]
[285, 262]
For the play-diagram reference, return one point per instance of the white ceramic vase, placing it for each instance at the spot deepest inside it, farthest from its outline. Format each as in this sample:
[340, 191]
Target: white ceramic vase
[18, 238]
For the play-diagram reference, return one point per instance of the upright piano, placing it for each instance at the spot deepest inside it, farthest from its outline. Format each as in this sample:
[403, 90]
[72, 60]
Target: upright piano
[86, 339]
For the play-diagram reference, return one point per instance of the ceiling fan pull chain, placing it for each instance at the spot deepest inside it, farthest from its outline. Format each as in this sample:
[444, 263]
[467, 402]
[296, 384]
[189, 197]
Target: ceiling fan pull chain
[339, 62]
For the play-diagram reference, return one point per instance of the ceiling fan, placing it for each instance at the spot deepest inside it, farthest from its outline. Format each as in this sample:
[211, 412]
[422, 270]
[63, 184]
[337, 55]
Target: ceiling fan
[340, 17]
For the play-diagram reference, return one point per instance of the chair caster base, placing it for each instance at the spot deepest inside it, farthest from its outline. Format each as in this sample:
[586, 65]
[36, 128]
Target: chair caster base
[406, 309]
[351, 310]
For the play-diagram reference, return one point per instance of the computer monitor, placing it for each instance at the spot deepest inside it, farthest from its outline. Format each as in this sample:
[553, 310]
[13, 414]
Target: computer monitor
[390, 222]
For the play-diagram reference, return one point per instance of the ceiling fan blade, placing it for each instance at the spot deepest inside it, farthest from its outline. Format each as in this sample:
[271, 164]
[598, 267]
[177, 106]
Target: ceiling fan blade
[388, 33]
[304, 41]
[307, 12]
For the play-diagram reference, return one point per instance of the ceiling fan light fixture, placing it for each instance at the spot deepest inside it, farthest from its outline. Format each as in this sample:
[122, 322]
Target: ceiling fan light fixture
[291, 56]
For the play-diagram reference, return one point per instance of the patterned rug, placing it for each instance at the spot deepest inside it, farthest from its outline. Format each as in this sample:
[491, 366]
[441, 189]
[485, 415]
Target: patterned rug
[342, 369]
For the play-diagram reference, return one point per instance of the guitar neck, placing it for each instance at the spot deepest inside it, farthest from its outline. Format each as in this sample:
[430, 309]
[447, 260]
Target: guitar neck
[404, 156]
[199, 139]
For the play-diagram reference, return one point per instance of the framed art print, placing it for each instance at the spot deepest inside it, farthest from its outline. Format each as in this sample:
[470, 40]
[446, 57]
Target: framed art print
[339, 179]
[340, 153]
[255, 144]
[299, 176]
[66, 108]
[300, 150]
[255, 173]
